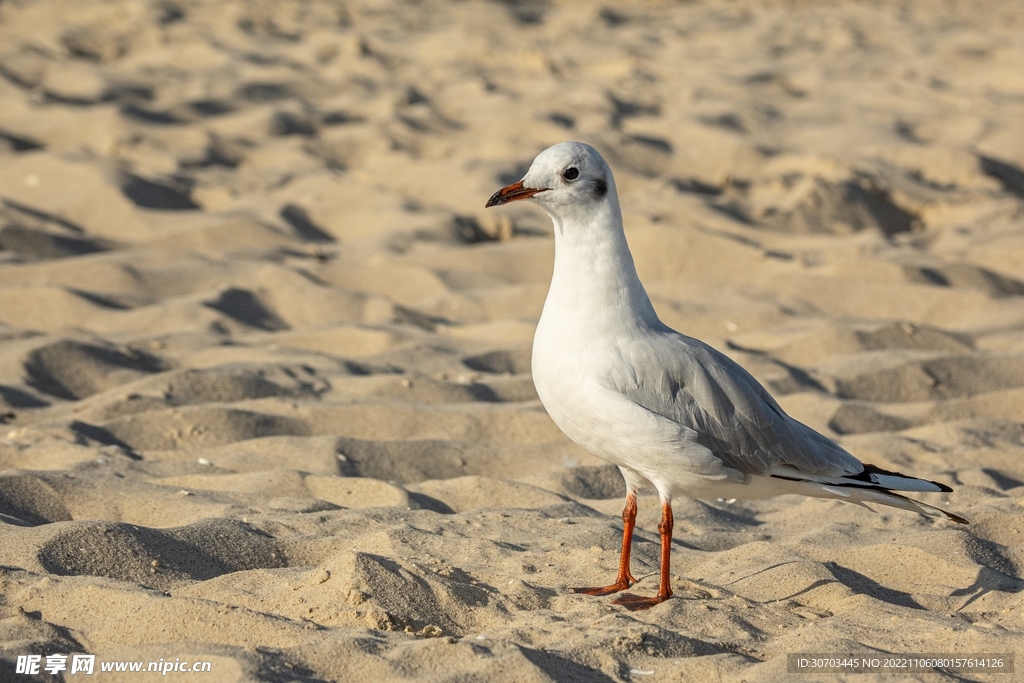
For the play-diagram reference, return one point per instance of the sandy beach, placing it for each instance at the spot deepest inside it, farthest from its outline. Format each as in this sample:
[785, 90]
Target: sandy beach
[265, 390]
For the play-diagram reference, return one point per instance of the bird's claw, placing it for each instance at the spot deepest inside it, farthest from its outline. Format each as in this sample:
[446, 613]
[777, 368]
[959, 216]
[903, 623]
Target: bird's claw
[636, 603]
[603, 590]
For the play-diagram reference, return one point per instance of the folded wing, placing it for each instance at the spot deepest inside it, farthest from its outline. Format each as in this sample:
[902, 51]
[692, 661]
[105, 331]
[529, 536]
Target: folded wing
[689, 382]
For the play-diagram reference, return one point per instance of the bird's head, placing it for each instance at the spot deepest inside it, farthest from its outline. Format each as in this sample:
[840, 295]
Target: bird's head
[568, 178]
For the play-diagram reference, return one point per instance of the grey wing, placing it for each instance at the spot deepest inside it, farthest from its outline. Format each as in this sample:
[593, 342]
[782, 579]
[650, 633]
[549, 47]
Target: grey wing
[691, 383]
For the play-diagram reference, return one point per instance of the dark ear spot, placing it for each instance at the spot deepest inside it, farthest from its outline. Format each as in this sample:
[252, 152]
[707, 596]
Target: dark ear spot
[600, 188]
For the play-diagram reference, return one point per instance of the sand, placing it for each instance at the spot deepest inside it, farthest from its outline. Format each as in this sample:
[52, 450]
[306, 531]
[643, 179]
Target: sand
[264, 358]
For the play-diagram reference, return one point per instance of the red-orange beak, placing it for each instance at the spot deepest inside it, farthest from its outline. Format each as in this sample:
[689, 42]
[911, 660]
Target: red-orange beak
[511, 193]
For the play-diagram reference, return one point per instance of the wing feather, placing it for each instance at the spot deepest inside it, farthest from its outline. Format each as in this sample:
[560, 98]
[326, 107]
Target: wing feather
[687, 381]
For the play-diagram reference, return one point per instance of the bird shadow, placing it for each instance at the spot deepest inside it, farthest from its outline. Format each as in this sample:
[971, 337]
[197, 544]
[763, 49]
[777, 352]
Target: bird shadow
[561, 669]
[988, 580]
[864, 585]
[853, 580]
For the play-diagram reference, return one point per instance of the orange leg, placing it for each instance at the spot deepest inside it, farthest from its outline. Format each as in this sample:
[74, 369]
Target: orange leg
[635, 602]
[625, 578]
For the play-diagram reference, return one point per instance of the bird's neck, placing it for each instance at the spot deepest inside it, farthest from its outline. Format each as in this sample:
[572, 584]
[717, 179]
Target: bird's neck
[595, 286]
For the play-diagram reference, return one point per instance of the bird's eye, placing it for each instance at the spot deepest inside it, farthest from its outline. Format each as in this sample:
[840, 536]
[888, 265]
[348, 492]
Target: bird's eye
[571, 173]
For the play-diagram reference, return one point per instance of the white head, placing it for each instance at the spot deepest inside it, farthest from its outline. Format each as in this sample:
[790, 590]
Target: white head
[570, 181]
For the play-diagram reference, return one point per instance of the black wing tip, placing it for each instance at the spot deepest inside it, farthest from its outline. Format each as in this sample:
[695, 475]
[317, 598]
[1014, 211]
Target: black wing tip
[956, 518]
[869, 469]
[942, 487]
[949, 515]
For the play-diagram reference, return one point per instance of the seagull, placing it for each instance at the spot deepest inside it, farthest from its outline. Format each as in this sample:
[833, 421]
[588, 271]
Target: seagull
[667, 409]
